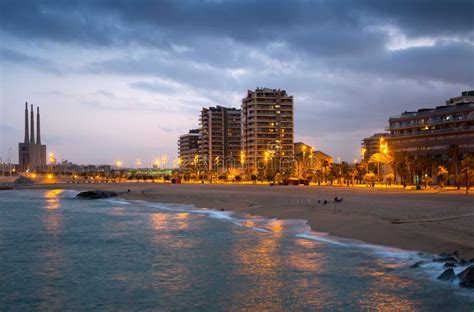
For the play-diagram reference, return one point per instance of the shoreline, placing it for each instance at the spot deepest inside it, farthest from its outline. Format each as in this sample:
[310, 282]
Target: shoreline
[365, 214]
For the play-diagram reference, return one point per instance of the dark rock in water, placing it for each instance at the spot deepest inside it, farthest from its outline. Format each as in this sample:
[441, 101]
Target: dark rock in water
[416, 264]
[446, 259]
[450, 265]
[471, 260]
[420, 254]
[23, 181]
[456, 253]
[466, 277]
[96, 194]
[463, 262]
[447, 275]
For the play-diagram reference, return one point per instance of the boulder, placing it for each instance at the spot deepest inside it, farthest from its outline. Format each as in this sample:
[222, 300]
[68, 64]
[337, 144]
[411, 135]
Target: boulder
[23, 181]
[446, 259]
[96, 194]
[447, 275]
[466, 277]
[450, 265]
[416, 264]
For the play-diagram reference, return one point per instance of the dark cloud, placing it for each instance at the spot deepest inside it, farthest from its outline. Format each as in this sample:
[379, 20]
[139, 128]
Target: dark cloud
[339, 58]
[12, 56]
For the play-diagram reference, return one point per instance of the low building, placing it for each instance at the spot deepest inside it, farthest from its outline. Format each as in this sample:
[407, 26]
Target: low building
[309, 160]
[431, 131]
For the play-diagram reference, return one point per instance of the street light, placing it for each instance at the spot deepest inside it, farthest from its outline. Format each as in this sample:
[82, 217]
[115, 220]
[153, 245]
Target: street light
[119, 164]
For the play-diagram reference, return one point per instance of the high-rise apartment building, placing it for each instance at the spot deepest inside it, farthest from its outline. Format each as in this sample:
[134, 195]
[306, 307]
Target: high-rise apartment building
[220, 137]
[188, 150]
[267, 130]
[431, 131]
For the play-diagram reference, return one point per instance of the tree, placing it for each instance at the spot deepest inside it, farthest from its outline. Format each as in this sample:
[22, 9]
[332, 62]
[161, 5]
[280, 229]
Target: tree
[380, 158]
[442, 174]
[467, 168]
[401, 166]
[389, 178]
[454, 154]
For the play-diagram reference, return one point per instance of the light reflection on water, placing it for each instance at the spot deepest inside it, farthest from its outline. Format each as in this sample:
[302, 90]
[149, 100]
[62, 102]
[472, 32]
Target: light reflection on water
[51, 217]
[62, 254]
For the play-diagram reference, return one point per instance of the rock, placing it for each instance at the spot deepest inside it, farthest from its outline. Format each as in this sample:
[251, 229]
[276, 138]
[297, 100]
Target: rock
[471, 260]
[96, 194]
[23, 181]
[466, 277]
[447, 275]
[446, 259]
[417, 264]
[450, 265]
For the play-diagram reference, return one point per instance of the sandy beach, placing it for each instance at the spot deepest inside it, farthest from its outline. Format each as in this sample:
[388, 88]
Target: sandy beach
[436, 221]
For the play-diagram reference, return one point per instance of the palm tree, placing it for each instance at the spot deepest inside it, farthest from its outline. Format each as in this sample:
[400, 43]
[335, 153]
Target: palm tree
[380, 158]
[454, 156]
[442, 175]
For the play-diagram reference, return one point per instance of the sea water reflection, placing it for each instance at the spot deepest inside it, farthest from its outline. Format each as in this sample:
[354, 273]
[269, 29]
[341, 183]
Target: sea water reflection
[65, 254]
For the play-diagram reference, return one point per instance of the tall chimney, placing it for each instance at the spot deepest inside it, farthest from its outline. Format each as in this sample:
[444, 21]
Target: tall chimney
[38, 133]
[27, 137]
[32, 135]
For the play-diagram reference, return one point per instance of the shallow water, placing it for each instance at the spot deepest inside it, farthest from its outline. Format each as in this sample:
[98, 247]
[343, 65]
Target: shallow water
[60, 253]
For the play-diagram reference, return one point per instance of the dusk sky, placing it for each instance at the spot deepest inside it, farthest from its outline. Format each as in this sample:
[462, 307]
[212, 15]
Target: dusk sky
[123, 79]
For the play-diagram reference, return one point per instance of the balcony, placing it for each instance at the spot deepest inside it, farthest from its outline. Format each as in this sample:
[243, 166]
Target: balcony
[434, 132]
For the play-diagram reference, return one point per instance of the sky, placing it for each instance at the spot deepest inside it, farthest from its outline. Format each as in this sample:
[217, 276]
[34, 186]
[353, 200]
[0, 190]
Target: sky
[123, 79]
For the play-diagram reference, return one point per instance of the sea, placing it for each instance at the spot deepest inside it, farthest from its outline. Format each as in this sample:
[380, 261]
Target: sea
[59, 253]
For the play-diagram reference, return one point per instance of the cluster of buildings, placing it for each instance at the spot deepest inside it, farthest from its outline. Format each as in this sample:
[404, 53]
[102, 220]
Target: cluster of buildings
[428, 132]
[257, 137]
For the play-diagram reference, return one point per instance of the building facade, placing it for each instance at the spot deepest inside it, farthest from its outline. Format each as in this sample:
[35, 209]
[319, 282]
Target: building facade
[267, 130]
[188, 149]
[31, 153]
[220, 137]
[371, 145]
[309, 160]
[431, 131]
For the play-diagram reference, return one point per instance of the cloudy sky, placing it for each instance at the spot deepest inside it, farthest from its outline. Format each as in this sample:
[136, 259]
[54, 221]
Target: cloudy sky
[123, 79]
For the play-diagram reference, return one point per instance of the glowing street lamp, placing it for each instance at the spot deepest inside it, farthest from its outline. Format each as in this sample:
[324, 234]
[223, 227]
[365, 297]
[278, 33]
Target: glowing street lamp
[119, 164]
[52, 159]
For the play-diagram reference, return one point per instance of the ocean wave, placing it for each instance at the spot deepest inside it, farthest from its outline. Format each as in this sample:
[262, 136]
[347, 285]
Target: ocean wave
[300, 229]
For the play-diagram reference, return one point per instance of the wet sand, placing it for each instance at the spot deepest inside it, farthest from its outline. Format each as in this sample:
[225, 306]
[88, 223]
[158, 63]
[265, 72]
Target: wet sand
[438, 221]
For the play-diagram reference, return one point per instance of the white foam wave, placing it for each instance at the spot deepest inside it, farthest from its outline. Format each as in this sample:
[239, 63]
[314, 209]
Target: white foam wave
[120, 202]
[320, 238]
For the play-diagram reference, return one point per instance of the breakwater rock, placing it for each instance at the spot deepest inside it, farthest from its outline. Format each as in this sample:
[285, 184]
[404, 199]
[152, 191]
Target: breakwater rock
[96, 194]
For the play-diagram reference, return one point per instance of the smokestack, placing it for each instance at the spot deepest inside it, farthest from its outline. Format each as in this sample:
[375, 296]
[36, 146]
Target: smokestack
[32, 135]
[27, 137]
[38, 134]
